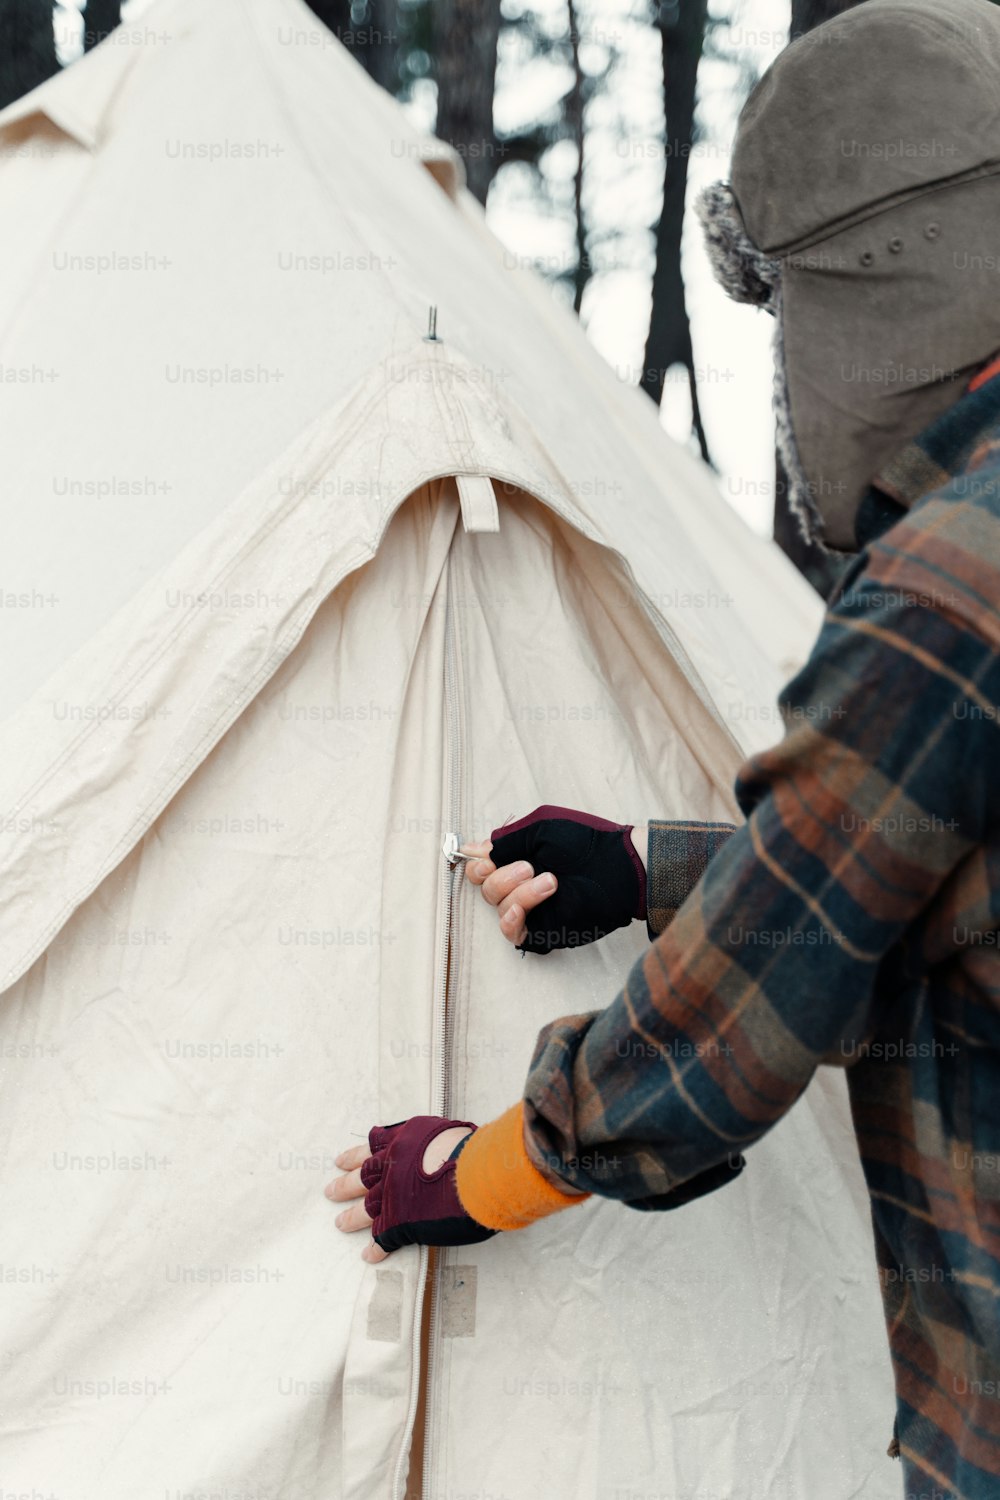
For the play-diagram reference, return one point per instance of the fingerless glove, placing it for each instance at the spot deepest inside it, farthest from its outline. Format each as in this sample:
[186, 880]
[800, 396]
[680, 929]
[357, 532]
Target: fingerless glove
[602, 883]
[409, 1206]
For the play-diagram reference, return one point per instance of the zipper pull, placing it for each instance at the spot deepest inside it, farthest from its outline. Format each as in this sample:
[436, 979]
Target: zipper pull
[451, 851]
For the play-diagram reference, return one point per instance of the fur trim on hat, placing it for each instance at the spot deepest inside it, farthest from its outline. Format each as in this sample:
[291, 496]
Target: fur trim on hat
[745, 273]
[800, 491]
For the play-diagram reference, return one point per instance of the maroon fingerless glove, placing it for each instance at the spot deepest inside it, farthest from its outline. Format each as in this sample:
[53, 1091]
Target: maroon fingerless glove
[409, 1206]
[602, 883]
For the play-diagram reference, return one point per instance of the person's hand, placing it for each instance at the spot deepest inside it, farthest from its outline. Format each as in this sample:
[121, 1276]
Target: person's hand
[513, 889]
[406, 1175]
[589, 865]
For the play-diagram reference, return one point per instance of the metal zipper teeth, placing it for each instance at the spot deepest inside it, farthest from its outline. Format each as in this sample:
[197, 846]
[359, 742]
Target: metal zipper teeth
[442, 1021]
[453, 718]
[439, 1093]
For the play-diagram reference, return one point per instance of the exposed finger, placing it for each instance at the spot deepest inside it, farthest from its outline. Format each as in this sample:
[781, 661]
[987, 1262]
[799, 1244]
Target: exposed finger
[354, 1218]
[512, 925]
[348, 1186]
[374, 1253]
[477, 870]
[500, 884]
[530, 894]
[352, 1157]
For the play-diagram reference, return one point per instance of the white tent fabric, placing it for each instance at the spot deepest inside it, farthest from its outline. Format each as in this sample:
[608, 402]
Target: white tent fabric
[266, 640]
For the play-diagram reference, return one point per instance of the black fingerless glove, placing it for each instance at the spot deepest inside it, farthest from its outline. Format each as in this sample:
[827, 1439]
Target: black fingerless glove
[602, 883]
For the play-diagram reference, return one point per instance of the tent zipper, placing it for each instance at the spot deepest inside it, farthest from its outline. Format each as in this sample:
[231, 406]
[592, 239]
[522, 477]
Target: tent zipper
[439, 1103]
[443, 1019]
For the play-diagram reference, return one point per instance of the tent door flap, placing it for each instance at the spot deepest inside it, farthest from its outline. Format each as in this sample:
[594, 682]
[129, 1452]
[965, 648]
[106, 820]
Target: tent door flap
[479, 503]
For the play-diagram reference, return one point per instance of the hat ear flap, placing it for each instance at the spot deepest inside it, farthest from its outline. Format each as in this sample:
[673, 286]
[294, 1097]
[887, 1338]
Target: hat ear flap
[745, 273]
[801, 501]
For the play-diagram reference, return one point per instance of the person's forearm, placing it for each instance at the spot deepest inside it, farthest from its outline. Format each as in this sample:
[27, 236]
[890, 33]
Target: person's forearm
[769, 967]
[497, 1182]
[501, 1179]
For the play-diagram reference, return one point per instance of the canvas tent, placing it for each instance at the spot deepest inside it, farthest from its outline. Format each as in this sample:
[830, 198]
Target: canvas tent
[291, 592]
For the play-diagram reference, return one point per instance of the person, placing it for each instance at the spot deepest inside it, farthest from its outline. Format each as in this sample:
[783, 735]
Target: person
[853, 919]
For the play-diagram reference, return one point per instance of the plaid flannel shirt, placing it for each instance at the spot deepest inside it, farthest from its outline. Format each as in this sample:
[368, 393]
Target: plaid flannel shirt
[853, 920]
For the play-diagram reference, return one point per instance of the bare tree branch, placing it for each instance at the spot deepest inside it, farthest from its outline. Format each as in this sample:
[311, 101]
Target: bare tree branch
[682, 28]
[574, 119]
[369, 29]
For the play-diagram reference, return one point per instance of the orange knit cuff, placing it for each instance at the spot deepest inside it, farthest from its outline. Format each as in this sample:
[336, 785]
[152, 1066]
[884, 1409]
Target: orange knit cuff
[498, 1183]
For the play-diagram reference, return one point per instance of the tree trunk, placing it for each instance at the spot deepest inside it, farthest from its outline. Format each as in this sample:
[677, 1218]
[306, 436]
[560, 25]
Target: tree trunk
[466, 33]
[369, 31]
[335, 14]
[27, 47]
[811, 561]
[682, 30]
[808, 14]
[574, 118]
[376, 43]
[100, 17]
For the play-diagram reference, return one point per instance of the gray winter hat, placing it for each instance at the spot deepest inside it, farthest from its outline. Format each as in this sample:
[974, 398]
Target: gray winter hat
[864, 212]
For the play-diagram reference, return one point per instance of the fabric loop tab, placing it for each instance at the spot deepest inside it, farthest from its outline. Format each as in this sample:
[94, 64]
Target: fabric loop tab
[479, 503]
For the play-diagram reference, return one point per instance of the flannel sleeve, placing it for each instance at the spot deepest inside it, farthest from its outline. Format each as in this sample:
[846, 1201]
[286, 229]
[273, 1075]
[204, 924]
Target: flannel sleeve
[881, 785]
[677, 856]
